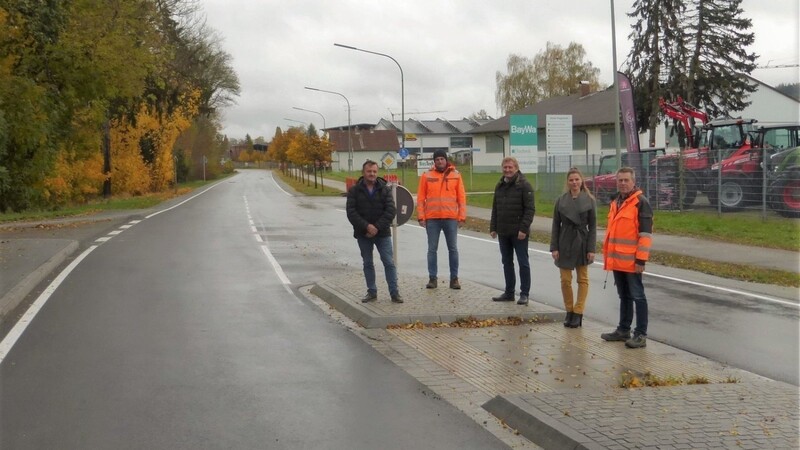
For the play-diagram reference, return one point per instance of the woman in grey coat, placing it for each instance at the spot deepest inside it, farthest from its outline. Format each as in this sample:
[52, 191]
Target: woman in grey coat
[572, 243]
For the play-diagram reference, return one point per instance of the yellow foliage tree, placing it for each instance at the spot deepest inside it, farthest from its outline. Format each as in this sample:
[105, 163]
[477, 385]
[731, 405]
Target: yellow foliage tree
[134, 173]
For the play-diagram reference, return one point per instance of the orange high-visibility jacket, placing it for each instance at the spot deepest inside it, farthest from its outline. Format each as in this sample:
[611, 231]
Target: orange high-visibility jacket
[440, 195]
[627, 240]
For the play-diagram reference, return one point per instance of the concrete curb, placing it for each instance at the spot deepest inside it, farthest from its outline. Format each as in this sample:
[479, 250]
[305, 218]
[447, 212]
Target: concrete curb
[17, 294]
[537, 426]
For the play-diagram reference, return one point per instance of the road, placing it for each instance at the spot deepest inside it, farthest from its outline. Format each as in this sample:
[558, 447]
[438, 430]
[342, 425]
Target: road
[186, 331]
[178, 332]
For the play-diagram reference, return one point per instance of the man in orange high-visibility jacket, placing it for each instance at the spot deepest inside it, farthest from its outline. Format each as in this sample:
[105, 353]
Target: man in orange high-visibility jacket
[625, 250]
[441, 207]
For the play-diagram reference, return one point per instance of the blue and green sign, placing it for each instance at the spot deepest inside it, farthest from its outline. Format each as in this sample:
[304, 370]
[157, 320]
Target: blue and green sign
[524, 141]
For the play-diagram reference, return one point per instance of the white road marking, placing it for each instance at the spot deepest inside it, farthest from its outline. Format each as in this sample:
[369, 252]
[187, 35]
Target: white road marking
[115, 232]
[103, 239]
[278, 185]
[15, 333]
[666, 277]
[181, 203]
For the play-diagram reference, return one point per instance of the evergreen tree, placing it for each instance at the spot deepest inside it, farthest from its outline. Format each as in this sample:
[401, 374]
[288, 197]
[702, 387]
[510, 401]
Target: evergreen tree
[719, 37]
[696, 49]
[658, 45]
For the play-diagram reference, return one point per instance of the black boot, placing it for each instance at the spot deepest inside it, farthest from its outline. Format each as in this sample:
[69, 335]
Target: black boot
[577, 320]
[568, 319]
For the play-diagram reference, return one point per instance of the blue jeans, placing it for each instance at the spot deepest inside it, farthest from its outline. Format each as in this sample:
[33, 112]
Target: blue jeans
[631, 292]
[450, 228]
[509, 245]
[384, 246]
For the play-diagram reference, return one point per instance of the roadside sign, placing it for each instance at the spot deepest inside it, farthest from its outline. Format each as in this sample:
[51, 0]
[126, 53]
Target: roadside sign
[405, 205]
[388, 160]
[424, 165]
[403, 153]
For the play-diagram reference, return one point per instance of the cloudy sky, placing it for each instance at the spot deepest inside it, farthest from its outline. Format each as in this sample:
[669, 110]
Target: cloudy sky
[449, 50]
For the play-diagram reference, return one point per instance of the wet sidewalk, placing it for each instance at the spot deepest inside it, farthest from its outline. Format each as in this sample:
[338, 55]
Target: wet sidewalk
[560, 387]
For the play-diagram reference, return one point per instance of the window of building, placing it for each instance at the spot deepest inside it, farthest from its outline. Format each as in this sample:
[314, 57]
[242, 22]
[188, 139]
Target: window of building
[608, 138]
[579, 140]
[461, 142]
[494, 144]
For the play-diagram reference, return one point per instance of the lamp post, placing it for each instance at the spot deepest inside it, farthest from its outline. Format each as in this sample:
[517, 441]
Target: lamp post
[349, 130]
[292, 120]
[402, 90]
[616, 86]
[324, 126]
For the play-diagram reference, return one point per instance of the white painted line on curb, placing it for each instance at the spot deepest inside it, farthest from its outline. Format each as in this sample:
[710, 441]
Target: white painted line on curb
[19, 328]
[278, 185]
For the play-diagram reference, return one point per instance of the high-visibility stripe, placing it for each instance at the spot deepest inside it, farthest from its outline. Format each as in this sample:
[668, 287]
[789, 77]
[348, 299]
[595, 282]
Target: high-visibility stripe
[623, 241]
[622, 256]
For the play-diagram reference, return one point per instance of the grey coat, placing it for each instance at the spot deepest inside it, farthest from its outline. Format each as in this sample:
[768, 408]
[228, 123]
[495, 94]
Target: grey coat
[574, 232]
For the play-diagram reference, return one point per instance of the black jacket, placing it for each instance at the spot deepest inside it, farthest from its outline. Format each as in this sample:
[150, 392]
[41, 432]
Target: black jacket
[512, 206]
[376, 209]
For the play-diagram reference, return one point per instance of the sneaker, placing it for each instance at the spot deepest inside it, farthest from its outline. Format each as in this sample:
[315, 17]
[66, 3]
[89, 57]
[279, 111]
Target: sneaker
[504, 297]
[616, 335]
[523, 299]
[637, 341]
[431, 283]
[370, 297]
[454, 284]
[396, 298]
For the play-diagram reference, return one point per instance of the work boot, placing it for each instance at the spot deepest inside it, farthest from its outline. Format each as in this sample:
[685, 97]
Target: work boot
[577, 320]
[396, 298]
[568, 319]
[431, 283]
[637, 341]
[616, 335]
[523, 299]
[504, 297]
[454, 284]
[370, 297]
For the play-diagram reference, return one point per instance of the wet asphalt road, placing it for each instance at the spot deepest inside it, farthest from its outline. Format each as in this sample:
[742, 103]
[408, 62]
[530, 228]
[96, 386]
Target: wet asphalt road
[179, 333]
[185, 331]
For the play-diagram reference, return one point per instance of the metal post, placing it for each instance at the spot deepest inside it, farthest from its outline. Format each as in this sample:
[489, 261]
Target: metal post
[394, 223]
[616, 86]
[349, 127]
[402, 91]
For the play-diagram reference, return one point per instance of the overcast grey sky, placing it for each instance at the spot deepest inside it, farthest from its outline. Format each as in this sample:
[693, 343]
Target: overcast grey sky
[450, 52]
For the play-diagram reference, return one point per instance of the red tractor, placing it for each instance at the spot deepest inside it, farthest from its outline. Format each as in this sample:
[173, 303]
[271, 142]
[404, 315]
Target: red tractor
[604, 184]
[672, 176]
[743, 178]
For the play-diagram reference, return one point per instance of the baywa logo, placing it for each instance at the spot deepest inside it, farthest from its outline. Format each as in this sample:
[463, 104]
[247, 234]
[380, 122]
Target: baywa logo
[527, 129]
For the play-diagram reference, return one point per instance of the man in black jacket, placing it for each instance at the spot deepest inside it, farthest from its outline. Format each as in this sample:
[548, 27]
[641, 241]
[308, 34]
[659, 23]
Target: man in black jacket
[512, 215]
[370, 209]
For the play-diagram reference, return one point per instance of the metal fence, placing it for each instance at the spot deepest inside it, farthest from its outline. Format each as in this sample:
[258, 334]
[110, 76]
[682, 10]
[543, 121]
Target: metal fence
[759, 179]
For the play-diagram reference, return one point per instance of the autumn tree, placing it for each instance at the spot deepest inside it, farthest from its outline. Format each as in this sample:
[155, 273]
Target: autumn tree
[554, 71]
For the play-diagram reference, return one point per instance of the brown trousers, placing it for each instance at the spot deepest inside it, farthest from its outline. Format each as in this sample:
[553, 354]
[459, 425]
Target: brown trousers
[583, 289]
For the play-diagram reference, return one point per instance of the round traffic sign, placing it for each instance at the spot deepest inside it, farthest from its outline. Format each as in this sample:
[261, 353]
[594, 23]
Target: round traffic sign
[405, 205]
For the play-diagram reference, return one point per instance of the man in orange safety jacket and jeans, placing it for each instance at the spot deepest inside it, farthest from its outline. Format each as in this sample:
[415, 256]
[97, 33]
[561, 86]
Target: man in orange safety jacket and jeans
[626, 249]
[441, 207]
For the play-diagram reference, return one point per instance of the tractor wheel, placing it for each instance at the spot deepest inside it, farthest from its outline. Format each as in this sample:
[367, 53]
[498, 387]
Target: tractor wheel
[732, 195]
[689, 191]
[785, 197]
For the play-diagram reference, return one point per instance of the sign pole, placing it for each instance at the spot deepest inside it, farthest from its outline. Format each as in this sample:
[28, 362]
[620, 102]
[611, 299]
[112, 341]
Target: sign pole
[394, 224]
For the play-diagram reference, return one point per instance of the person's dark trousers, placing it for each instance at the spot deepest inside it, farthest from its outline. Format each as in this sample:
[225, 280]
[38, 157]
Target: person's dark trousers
[631, 294]
[509, 245]
[384, 246]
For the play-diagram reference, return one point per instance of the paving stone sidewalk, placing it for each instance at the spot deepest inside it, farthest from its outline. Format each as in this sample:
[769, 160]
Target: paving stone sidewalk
[559, 387]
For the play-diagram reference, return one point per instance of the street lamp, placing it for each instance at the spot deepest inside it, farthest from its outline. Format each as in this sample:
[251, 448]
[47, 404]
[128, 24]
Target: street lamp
[349, 130]
[315, 112]
[402, 88]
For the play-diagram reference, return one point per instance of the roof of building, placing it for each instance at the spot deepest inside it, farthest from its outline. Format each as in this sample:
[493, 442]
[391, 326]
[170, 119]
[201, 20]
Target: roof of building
[438, 126]
[364, 140]
[596, 108]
